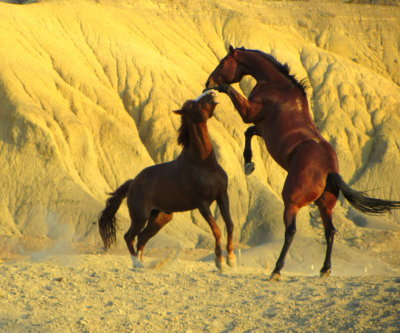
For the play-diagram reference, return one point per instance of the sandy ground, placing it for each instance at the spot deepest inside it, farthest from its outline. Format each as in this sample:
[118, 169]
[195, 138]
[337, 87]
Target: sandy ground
[181, 291]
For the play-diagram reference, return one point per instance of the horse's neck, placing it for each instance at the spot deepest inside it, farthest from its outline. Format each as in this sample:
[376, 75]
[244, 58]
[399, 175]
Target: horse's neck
[263, 70]
[200, 143]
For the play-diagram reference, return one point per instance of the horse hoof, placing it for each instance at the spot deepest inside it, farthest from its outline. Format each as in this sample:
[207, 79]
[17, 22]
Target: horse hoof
[249, 168]
[219, 262]
[275, 276]
[231, 261]
[136, 262]
[325, 274]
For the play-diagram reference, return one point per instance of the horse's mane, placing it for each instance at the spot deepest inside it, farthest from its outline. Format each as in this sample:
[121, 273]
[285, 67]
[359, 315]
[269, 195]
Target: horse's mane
[183, 131]
[303, 84]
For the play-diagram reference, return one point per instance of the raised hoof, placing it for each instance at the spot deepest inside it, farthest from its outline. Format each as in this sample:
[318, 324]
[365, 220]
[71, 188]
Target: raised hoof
[231, 261]
[249, 168]
[275, 277]
[325, 274]
[136, 262]
[220, 263]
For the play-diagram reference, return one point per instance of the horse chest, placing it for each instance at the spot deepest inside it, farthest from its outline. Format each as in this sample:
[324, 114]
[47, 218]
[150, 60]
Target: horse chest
[207, 183]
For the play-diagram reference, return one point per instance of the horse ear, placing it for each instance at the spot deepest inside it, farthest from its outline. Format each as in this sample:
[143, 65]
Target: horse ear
[231, 49]
[179, 112]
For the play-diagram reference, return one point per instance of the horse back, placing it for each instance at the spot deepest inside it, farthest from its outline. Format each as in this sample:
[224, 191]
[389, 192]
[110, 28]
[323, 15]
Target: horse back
[179, 185]
[285, 121]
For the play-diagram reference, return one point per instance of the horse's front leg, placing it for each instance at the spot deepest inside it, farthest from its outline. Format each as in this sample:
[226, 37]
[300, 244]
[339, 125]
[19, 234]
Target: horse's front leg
[247, 109]
[223, 204]
[206, 213]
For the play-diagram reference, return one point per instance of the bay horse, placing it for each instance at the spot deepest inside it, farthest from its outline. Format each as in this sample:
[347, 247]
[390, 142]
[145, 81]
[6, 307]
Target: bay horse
[278, 108]
[192, 181]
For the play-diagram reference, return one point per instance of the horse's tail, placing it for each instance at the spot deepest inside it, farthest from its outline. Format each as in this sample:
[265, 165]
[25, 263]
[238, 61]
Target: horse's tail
[248, 153]
[359, 200]
[107, 220]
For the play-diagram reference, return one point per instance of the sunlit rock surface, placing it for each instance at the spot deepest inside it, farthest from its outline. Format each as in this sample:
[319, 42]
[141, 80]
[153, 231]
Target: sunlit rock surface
[87, 89]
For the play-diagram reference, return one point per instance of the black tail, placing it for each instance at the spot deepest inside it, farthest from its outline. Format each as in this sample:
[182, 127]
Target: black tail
[359, 200]
[248, 153]
[107, 219]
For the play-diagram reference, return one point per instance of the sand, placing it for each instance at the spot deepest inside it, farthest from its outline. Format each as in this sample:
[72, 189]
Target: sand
[181, 291]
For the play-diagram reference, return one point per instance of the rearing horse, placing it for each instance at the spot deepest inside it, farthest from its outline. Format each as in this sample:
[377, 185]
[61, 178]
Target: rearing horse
[278, 107]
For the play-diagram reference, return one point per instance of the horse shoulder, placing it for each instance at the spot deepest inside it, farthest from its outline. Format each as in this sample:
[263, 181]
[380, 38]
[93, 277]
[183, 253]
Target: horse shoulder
[210, 180]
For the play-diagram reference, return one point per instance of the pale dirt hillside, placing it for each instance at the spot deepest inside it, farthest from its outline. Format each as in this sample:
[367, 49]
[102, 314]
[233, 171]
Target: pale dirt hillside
[87, 89]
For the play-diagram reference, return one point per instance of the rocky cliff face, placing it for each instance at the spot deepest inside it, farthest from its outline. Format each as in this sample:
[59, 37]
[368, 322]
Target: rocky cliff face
[87, 89]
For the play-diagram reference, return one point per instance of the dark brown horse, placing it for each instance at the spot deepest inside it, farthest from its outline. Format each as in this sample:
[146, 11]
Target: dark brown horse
[193, 180]
[278, 107]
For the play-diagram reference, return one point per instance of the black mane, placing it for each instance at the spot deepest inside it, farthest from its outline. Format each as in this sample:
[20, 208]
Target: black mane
[183, 133]
[303, 84]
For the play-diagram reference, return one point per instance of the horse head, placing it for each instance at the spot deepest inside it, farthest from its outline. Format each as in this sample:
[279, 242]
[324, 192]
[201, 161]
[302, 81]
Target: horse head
[201, 108]
[228, 71]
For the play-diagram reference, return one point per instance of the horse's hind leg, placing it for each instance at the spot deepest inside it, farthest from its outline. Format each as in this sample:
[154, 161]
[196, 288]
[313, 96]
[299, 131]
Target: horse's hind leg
[325, 204]
[223, 204]
[206, 213]
[156, 221]
[247, 153]
[289, 218]
[137, 224]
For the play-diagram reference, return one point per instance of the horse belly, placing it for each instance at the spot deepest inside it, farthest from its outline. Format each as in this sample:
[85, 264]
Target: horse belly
[281, 141]
[277, 150]
[175, 198]
[182, 191]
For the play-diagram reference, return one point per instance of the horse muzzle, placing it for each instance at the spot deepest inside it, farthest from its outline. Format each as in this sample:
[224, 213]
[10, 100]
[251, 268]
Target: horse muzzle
[214, 95]
[210, 94]
[211, 84]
